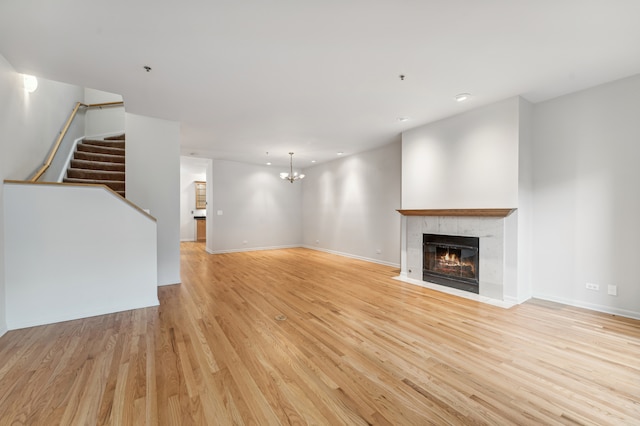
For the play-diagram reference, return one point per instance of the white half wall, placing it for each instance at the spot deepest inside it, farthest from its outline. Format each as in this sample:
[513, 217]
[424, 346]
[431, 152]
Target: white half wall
[349, 205]
[586, 198]
[29, 124]
[153, 183]
[191, 170]
[251, 208]
[75, 252]
[463, 162]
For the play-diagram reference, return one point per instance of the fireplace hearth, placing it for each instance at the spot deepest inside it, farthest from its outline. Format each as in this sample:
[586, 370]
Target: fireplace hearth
[452, 261]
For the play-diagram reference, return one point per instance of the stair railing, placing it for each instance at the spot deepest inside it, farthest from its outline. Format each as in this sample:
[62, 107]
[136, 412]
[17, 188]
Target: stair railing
[63, 132]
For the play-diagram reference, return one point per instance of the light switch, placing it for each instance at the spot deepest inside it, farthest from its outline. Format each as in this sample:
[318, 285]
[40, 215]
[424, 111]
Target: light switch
[219, 212]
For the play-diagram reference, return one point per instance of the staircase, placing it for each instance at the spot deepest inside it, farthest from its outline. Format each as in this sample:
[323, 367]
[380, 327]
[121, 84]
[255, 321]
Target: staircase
[99, 162]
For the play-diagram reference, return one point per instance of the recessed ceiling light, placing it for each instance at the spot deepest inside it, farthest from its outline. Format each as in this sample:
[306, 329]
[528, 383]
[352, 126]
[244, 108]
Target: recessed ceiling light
[340, 153]
[268, 164]
[403, 119]
[461, 97]
[313, 161]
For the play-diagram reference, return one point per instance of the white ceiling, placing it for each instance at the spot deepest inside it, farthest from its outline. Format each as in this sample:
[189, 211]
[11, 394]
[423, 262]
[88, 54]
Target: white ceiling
[317, 77]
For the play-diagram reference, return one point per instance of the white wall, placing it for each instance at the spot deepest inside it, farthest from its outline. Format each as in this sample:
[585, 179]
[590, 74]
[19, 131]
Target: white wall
[210, 213]
[29, 123]
[586, 198]
[106, 120]
[478, 159]
[349, 205]
[64, 107]
[466, 161]
[77, 251]
[191, 170]
[153, 182]
[519, 224]
[524, 214]
[259, 210]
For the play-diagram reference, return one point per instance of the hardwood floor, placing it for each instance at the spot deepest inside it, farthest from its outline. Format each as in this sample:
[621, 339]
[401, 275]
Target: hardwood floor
[356, 348]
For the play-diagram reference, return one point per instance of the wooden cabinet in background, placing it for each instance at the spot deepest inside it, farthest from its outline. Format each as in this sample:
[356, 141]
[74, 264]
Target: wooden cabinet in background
[201, 195]
[201, 229]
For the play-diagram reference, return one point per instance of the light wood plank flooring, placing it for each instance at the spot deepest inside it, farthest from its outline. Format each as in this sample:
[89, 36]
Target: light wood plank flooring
[356, 348]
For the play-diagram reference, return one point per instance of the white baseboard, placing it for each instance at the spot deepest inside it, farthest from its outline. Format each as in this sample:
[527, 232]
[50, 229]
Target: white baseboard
[80, 314]
[242, 250]
[515, 300]
[105, 135]
[354, 256]
[591, 306]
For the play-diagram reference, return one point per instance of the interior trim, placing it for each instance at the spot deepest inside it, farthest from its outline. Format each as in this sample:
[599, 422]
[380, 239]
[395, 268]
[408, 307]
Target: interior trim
[458, 212]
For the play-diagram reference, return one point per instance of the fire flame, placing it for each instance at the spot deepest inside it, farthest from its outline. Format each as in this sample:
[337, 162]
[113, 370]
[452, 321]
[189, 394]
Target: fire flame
[451, 257]
[451, 260]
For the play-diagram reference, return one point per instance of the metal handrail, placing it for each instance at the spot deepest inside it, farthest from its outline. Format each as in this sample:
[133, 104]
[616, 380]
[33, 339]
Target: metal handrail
[62, 134]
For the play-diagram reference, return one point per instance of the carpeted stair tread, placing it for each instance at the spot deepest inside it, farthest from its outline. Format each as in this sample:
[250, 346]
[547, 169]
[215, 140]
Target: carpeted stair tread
[82, 147]
[93, 156]
[97, 165]
[113, 184]
[110, 144]
[99, 162]
[115, 138]
[95, 174]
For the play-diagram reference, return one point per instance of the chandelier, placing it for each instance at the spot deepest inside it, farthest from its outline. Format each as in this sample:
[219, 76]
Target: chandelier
[291, 176]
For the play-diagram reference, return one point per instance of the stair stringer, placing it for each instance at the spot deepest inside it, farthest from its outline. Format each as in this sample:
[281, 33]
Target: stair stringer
[63, 172]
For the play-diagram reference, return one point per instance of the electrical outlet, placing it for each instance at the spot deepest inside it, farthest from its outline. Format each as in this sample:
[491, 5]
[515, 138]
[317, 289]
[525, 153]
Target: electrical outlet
[591, 286]
[378, 251]
[612, 290]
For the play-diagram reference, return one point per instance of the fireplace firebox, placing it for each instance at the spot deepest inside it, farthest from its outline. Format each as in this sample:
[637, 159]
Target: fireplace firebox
[452, 261]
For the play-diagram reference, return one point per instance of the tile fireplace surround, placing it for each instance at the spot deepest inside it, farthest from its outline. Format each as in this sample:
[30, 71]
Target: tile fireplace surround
[486, 224]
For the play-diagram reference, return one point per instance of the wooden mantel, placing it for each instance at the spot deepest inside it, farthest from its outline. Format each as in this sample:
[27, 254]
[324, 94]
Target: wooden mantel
[458, 212]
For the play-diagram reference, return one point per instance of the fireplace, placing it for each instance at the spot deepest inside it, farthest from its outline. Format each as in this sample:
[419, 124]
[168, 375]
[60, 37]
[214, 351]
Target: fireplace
[495, 230]
[452, 261]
